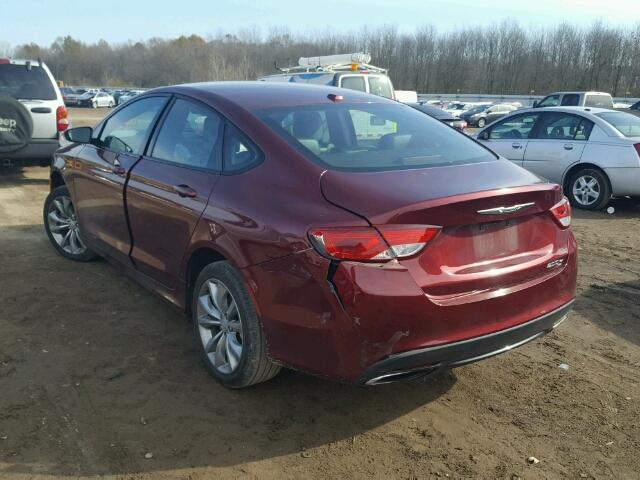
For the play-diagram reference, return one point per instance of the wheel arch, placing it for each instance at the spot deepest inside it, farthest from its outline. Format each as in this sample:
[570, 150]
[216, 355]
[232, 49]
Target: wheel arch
[56, 180]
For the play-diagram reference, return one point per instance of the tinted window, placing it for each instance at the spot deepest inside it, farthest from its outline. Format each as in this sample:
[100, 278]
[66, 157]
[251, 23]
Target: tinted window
[365, 137]
[380, 86]
[599, 101]
[190, 135]
[550, 101]
[563, 126]
[571, 100]
[239, 152]
[514, 128]
[353, 83]
[626, 123]
[21, 83]
[128, 130]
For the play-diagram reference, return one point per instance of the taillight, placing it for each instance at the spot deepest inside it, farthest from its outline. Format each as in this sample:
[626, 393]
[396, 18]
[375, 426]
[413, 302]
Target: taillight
[62, 121]
[561, 212]
[367, 244]
[637, 145]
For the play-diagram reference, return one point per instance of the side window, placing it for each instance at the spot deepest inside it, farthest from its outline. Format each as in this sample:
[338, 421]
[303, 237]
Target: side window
[353, 83]
[127, 131]
[584, 130]
[571, 100]
[514, 128]
[190, 135]
[379, 86]
[239, 152]
[550, 101]
[559, 126]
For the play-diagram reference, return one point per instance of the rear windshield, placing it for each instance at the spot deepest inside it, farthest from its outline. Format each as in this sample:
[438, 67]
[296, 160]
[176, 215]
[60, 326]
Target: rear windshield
[23, 84]
[626, 123]
[599, 101]
[372, 137]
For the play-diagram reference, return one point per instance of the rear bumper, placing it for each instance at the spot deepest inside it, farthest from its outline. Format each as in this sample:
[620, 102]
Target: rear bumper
[419, 362]
[35, 151]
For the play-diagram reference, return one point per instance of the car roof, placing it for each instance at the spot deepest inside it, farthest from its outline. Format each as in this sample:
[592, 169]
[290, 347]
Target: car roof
[583, 110]
[580, 92]
[252, 95]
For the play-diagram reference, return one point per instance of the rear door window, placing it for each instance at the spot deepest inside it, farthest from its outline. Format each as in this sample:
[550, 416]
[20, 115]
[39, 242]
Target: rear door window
[190, 135]
[22, 83]
[353, 82]
[516, 127]
[128, 129]
[571, 100]
[563, 126]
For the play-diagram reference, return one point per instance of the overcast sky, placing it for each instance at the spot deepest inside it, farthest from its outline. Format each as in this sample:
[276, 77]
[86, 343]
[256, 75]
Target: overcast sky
[42, 21]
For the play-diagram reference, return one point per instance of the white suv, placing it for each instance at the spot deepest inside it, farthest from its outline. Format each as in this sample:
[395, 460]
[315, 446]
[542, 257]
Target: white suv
[32, 113]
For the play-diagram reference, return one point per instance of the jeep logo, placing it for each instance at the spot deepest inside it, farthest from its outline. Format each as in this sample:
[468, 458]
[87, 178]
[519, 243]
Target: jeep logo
[8, 122]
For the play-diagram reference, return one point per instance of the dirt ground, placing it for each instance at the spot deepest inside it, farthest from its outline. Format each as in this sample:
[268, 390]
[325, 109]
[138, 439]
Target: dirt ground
[97, 375]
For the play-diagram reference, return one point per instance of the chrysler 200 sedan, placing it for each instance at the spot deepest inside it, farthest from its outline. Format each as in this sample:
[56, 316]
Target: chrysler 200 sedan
[329, 231]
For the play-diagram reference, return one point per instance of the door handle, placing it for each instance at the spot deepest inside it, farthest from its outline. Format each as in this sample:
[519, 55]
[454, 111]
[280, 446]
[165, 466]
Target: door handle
[185, 191]
[117, 168]
[568, 146]
[516, 145]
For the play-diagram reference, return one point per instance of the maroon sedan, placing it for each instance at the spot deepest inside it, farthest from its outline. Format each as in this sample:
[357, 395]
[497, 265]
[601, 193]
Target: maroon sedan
[330, 231]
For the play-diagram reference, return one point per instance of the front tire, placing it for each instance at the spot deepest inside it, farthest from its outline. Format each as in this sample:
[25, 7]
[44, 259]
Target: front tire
[589, 189]
[227, 329]
[94, 105]
[62, 227]
[111, 105]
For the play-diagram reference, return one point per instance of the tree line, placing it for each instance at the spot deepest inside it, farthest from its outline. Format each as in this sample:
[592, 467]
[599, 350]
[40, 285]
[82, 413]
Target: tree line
[503, 58]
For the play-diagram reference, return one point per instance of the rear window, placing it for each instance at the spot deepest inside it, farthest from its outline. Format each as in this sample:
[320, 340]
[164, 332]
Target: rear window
[380, 86]
[626, 123]
[599, 101]
[19, 82]
[372, 137]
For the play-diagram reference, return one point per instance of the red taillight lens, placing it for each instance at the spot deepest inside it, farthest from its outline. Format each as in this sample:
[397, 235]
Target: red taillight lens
[61, 119]
[366, 244]
[561, 212]
[637, 145]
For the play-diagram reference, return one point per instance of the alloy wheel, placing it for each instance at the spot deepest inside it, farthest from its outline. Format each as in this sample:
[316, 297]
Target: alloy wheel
[64, 227]
[586, 190]
[219, 326]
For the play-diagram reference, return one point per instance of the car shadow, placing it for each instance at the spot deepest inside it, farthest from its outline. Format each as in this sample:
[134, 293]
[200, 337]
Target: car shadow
[607, 305]
[16, 176]
[97, 374]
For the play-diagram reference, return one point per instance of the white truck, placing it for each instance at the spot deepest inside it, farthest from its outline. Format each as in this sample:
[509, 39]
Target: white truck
[351, 70]
[576, 99]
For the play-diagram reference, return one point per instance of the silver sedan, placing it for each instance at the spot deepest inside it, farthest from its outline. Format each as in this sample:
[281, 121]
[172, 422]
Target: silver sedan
[593, 153]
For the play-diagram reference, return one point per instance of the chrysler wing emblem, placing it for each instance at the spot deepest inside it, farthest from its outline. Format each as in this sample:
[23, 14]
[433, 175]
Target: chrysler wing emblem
[505, 210]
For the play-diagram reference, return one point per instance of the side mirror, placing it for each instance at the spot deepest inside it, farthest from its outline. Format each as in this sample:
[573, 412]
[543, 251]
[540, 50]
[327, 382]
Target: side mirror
[79, 134]
[484, 135]
[535, 104]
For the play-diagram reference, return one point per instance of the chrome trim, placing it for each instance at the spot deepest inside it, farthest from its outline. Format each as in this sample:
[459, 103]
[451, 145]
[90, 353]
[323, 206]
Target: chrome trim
[505, 210]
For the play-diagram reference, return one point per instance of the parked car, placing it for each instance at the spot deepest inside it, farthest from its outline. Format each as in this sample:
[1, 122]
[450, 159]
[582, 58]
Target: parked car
[456, 108]
[576, 99]
[351, 70]
[484, 115]
[128, 95]
[96, 100]
[32, 113]
[593, 153]
[356, 256]
[73, 99]
[441, 115]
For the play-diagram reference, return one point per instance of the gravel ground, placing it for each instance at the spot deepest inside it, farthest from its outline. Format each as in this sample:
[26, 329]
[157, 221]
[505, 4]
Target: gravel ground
[100, 378]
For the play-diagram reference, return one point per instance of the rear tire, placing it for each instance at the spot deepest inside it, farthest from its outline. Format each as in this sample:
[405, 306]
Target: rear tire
[481, 123]
[94, 105]
[111, 105]
[227, 330]
[589, 189]
[62, 228]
